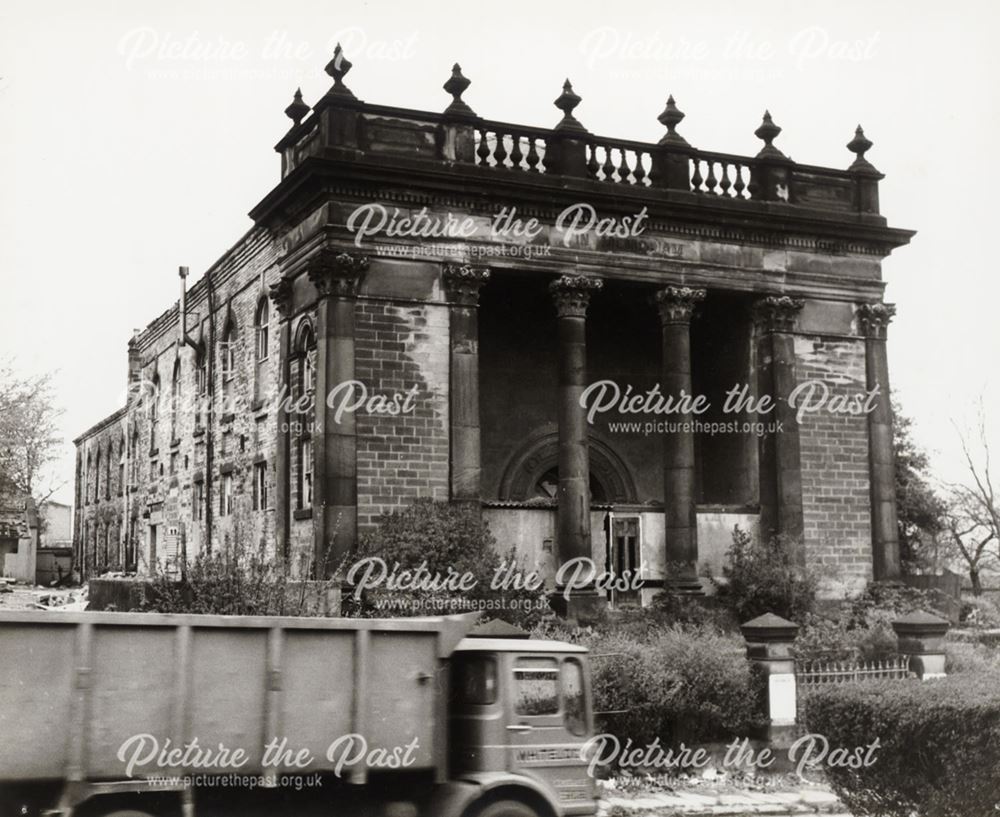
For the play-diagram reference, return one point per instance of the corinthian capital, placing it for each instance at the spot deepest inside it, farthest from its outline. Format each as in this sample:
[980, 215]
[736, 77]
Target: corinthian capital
[777, 313]
[571, 294]
[677, 304]
[873, 319]
[337, 273]
[462, 282]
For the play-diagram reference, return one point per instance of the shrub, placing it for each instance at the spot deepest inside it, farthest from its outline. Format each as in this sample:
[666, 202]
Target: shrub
[681, 684]
[763, 579]
[242, 584]
[980, 612]
[444, 540]
[940, 745]
[837, 640]
[883, 602]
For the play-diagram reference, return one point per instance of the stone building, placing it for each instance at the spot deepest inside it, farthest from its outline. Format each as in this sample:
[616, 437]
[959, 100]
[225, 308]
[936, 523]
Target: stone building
[471, 296]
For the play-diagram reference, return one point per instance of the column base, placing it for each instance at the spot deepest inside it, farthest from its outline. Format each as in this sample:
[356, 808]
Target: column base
[582, 607]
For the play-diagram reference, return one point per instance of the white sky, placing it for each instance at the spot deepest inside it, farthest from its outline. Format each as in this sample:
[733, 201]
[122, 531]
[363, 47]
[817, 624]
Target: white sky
[134, 137]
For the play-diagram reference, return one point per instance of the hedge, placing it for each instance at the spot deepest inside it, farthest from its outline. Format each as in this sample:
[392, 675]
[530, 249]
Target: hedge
[940, 744]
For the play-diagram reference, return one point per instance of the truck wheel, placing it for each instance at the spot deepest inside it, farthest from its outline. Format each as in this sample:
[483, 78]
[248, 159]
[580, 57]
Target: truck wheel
[508, 808]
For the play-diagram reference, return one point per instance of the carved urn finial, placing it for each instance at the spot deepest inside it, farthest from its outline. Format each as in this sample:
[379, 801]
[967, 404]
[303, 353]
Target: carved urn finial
[566, 102]
[768, 132]
[338, 68]
[670, 119]
[298, 109]
[860, 145]
[456, 85]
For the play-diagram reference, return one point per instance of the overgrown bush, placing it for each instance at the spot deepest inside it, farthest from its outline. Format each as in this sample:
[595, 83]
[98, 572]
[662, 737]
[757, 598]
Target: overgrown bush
[682, 683]
[980, 612]
[763, 578]
[883, 602]
[939, 753]
[237, 584]
[450, 545]
[837, 640]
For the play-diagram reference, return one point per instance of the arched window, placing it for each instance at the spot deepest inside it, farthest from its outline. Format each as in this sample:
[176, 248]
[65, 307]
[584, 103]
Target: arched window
[86, 482]
[306, 352]
[107, 472]
[154, 412]
[200, 381]
[97, 477]
[261, 321]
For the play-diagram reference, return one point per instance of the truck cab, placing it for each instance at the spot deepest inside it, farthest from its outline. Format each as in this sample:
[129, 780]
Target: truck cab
[519, 716]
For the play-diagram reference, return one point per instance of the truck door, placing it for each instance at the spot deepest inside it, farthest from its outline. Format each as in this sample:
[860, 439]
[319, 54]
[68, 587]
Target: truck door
[548, 723]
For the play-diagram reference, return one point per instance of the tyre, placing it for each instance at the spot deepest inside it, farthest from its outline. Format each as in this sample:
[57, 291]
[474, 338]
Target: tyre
[508, 808]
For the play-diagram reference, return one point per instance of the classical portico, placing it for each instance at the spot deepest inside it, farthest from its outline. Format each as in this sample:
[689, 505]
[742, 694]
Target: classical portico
[516, 292]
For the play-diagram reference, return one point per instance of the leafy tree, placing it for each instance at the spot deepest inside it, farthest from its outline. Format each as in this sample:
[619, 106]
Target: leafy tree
[920, 511]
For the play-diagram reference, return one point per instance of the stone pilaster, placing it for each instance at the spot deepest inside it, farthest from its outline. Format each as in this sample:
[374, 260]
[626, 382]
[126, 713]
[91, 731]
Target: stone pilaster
[873, 321]
[337, 277]
[676, 306]
[281, 296]
[462, 284]
[780, 452]
[571, 294]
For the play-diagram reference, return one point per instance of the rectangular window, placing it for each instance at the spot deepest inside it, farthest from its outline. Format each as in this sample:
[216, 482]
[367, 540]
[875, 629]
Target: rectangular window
[173, 462]
[474, 680]
[260, 486]
[536, 686]
[226, 495]
[574, 700]
[198, 502]
[306, 469]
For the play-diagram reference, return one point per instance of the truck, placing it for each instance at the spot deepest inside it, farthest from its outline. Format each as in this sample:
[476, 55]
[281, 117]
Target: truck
[114, 714]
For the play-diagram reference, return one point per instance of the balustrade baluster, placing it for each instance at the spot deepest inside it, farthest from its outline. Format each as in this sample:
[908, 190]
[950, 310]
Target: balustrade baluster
[739, 186]
[515, 153]
[592, 165]
[640, 172]
[725, 184]
[483, 151]
[608, 168]
[624, 171]
[710, 181]
[500, 151]
[532, 158]
[696, 179]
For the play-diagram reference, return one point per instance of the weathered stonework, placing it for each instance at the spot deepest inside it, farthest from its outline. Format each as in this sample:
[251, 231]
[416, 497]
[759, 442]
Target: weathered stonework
[768, 274]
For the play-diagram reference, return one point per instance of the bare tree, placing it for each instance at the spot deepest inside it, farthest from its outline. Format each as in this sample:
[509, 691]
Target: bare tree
[29, 441]
[973, 517]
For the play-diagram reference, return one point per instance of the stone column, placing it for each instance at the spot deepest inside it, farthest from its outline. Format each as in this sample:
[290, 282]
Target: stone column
[337, 277]
[680, 514]
[780, 461]
[873, 320]
[571, 294]
[462, 284]
[281, 296]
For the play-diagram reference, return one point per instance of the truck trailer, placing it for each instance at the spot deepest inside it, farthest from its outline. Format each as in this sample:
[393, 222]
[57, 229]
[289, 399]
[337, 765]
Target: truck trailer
[137, 714]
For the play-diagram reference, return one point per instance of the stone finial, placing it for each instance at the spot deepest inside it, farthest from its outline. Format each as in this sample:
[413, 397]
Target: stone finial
[921, 637]
[571, 294]
[769, 627]
[777, 313]
[463, 282]
[298, 109]
[677, 304]
[456, 85]
[338, 68]
[768, 132]
[860, 145]
[566, 102]
[670, 119]
[874, 319]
